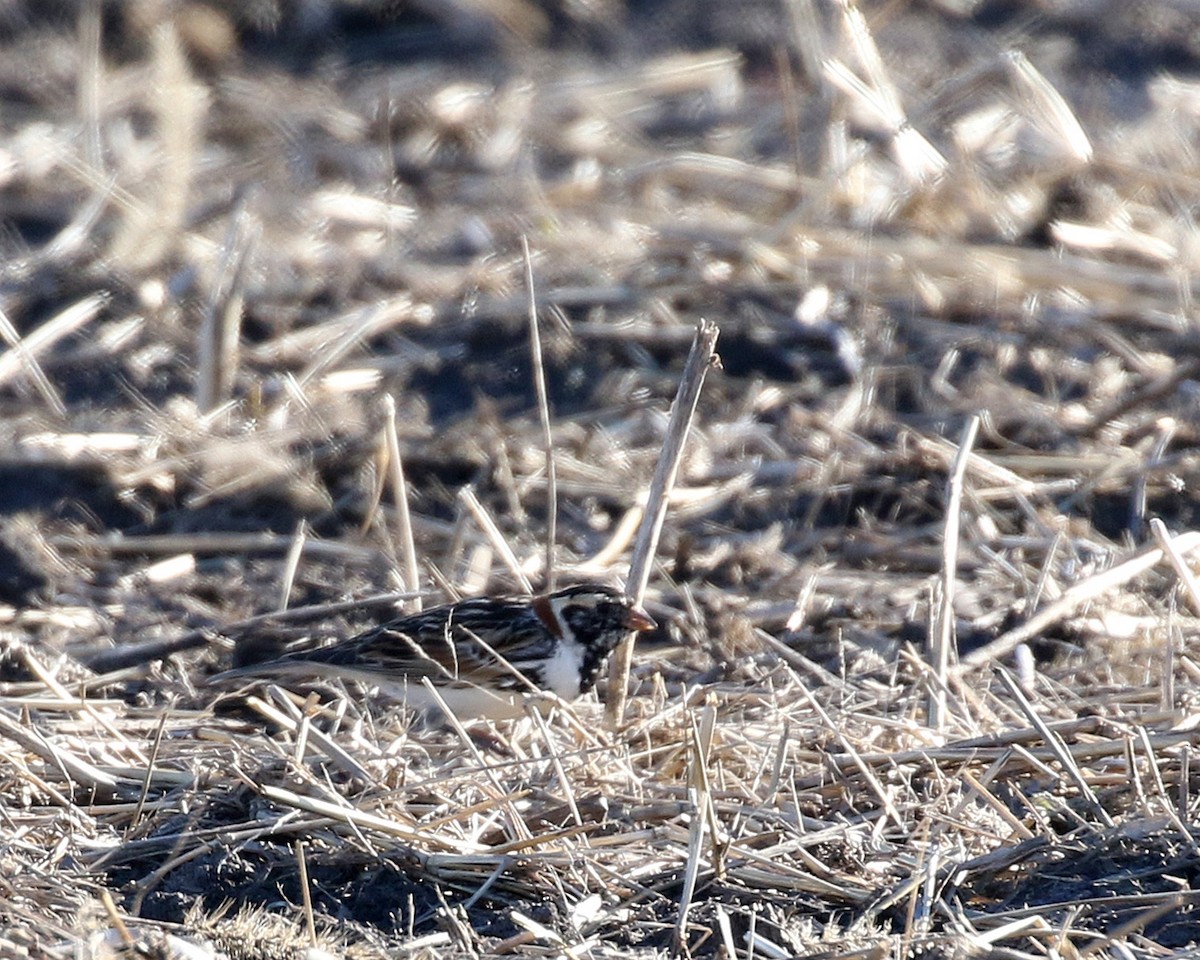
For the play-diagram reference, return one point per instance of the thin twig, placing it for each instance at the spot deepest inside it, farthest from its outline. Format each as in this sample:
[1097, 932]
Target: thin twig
[148, 779]
[700, 795]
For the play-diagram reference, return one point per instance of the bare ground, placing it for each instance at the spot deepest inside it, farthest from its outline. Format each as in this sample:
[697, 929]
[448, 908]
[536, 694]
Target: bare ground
[250, 249]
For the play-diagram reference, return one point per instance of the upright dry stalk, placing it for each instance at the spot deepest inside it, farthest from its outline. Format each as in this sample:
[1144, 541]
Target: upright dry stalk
[292, 563]
[178, 103]
[408, 549]
[221, 325]
[543, 401]
[700, 795]
[683, 409]
[941, 637]
[89, 82]
[310, 924]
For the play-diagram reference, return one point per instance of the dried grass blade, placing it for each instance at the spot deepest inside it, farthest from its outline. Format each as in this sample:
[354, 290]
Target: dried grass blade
[310, 925]
[494, 537]
[1185, 832]
[295, 725]
[1047, 109]
[568, 786]
[81, 704]
[979, 789]
[24, 351]
[858, 760]
[360, 818]
[518, 826]
[291, 563]
[1116, 936]
[148, 779]
[1022, 926]
[12, 337]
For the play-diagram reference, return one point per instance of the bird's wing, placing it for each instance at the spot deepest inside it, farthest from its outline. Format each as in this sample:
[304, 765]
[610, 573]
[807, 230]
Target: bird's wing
[475, 641]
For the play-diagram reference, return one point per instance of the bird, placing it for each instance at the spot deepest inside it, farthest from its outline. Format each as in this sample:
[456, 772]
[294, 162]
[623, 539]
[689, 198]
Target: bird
[481, 655]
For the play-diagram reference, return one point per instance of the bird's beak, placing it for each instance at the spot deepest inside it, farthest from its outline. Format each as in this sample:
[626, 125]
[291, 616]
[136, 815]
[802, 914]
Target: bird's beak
[638, 619]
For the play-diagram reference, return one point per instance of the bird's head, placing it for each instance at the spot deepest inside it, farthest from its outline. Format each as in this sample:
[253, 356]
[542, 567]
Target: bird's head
[593, 614]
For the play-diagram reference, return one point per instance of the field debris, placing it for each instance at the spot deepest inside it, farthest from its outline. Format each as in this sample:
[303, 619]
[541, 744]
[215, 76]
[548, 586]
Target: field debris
[266, 375]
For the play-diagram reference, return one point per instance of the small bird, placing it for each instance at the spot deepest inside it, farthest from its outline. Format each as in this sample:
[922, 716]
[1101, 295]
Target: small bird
[481, 654]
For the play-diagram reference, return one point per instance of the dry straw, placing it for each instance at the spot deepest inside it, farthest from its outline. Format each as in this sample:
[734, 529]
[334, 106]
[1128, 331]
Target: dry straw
[969, 230]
